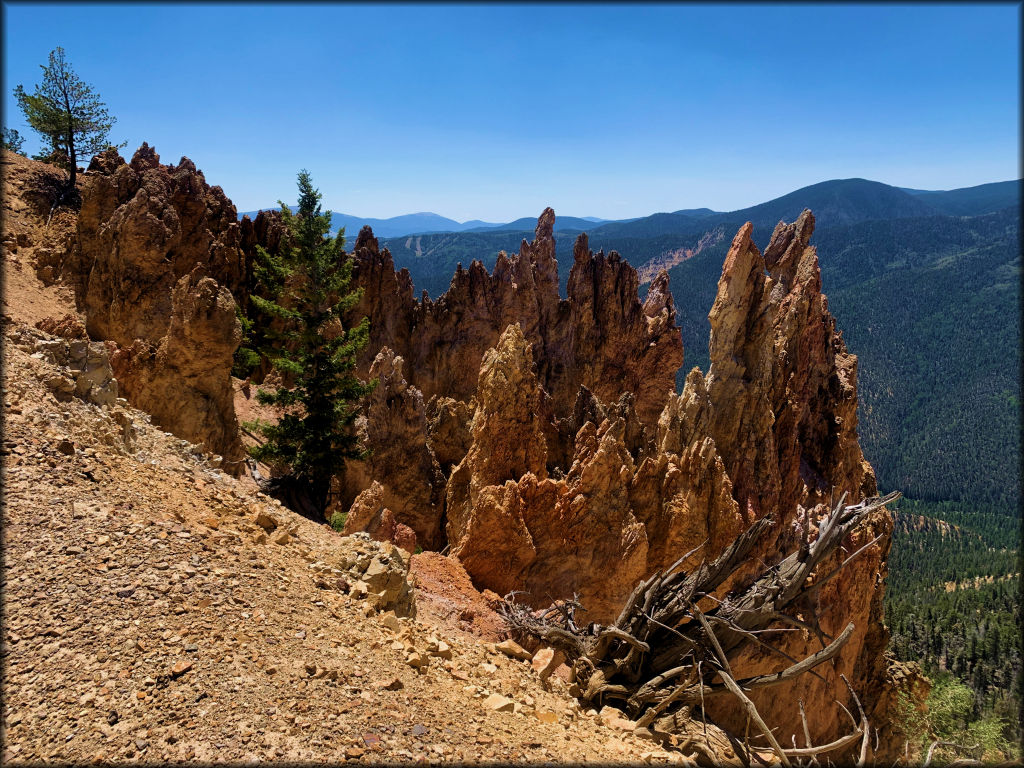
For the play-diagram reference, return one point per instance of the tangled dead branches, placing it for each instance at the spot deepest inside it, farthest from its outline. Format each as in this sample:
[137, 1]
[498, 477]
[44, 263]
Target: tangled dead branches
[664, 653]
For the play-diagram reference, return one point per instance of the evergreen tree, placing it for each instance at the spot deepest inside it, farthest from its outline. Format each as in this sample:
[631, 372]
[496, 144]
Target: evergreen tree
[67, 113]
[309, 280]
[13, 140]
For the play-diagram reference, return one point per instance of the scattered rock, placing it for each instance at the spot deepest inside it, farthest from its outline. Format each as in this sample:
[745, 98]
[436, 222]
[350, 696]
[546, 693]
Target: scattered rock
[498, 703]
[512, 649]
[380, 570]
[416, 660]
[545, 661]
[613, 718]
[394, 684]
[266, 521]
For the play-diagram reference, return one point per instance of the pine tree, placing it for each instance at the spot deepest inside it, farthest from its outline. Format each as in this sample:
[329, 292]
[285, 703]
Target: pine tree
[13, 140]
[67, 113]
[309, 279]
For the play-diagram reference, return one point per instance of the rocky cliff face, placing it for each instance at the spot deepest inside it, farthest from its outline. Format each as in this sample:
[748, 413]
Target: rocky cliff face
[184, 382]
[782, 403]
[155, 261]
[556, 496]
[393, 428]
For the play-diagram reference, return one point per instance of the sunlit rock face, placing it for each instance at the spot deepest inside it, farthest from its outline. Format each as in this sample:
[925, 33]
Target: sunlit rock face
[572, 467]
[156, 263]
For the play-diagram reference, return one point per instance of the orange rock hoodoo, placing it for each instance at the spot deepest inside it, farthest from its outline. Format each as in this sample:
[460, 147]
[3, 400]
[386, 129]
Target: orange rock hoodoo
[571, 466]
[154, 263]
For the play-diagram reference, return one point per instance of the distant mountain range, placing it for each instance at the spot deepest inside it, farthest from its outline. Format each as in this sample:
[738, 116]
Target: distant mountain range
[840, 201]
[422, 223]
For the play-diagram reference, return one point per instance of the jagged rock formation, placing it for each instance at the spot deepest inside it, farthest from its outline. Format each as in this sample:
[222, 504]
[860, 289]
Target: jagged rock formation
[142, 227]
[143, 232]
[770, 430]
[601, 337]
[485, 495]
[393, 428]
[590, 532]
[614, 343]
[782, 396]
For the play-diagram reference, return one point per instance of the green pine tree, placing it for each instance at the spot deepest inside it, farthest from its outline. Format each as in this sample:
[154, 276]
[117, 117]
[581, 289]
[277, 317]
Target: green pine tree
[309, 280]
[266, 281]
[67, 113]
[13, 140]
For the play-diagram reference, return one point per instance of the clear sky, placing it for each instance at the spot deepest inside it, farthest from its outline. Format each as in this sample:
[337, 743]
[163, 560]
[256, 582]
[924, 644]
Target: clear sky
[494, 112]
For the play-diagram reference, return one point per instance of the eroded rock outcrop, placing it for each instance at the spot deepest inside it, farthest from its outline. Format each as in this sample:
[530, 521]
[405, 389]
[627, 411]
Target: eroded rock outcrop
[601, 337]
[601, 341]
[156, 260]
[142, 227]
[591, 532]
[84, 369]
[770, 430]
[393, 429]
[184, 381]
[369, 514]
[506, 461]
[782, 412]
[615, 344]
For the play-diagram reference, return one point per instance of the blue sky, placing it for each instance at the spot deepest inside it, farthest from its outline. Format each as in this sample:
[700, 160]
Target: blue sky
[494, 112]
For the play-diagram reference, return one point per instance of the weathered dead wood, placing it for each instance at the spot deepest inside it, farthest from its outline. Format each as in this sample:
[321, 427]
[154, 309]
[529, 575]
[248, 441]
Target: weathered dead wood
[765, 681]
[949, 744]
[841, 743]
[663, 652]
[726, 674]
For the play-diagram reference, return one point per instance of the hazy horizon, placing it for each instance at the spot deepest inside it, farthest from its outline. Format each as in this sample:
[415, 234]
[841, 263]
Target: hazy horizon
[495, 112]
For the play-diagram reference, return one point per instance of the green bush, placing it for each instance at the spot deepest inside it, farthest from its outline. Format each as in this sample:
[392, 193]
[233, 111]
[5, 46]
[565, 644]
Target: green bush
[338, 520]
[950, 718]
